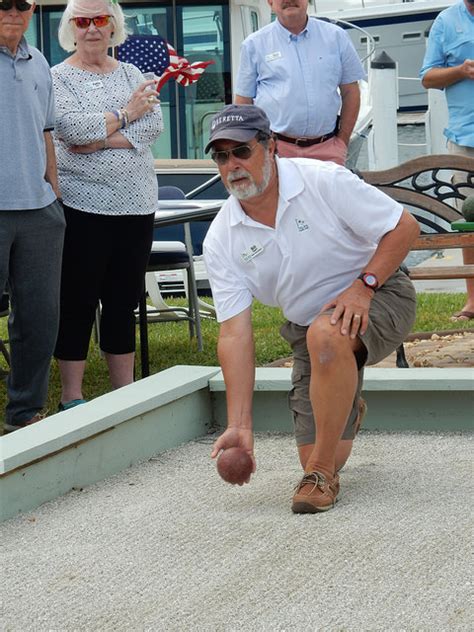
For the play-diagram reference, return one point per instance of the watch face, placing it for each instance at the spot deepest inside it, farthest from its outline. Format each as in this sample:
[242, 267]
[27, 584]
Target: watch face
[371, 280]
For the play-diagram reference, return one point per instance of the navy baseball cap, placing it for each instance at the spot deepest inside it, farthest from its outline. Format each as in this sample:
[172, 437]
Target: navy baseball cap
[238, 122]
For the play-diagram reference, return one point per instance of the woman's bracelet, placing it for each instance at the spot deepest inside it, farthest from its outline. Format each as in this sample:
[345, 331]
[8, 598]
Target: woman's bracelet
[126, 118]
[122, 117]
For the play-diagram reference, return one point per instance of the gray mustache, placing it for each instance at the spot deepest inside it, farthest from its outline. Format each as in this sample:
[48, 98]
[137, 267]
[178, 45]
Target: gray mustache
[236, 175]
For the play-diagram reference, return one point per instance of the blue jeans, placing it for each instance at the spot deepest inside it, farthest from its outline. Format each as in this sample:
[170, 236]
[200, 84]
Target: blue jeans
[31, 244]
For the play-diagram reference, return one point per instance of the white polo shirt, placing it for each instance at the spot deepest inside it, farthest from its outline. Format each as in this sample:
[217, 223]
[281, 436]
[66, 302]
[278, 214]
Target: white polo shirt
[328, 225]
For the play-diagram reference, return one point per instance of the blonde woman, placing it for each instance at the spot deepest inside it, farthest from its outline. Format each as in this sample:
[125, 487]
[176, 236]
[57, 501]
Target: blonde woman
[107, 119]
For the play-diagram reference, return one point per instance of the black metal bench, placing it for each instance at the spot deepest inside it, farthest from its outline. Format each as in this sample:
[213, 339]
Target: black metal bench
[424, 187]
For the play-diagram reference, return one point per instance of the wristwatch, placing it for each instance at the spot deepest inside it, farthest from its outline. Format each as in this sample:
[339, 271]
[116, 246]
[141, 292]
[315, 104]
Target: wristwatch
[369, 280]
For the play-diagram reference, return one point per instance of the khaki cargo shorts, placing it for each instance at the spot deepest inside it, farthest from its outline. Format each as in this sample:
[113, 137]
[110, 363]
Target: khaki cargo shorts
[391, 317]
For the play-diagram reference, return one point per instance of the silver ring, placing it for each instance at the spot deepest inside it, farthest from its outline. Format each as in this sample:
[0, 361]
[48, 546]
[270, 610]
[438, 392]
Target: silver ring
[356, 316]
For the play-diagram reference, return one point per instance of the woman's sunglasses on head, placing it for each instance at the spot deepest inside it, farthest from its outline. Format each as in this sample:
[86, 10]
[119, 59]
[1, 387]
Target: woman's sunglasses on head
[241, 152]
[99, 21]
[21, 5]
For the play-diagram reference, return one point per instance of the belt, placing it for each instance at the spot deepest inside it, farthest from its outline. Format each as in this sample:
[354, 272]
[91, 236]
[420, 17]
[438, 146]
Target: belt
[305, 142]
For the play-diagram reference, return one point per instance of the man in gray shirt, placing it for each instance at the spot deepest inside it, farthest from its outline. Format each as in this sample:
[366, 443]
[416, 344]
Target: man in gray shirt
[31, 219]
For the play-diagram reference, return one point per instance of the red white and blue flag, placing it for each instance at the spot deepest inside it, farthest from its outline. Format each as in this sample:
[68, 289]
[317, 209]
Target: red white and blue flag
[151, 53]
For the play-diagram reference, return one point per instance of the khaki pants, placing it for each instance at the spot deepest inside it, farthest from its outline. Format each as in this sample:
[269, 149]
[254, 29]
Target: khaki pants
[391, 317]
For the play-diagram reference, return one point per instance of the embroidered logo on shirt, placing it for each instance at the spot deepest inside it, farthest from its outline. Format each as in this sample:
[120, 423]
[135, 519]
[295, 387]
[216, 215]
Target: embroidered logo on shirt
[273, 56]
[301, 225]
[252, 252]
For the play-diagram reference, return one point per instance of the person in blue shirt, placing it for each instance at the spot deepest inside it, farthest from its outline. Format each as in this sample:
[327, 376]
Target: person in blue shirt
[303, 73]
[449, 65]
[31, 219]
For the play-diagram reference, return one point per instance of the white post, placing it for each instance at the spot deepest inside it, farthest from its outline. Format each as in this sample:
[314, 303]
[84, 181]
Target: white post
[383, 139]
[436, 119]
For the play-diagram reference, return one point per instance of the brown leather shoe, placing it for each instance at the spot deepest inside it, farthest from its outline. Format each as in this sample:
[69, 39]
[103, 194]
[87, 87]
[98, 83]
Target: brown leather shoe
[12, 427]
[315, 492]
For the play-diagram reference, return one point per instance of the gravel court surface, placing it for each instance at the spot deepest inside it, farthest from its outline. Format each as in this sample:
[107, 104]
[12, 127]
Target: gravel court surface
[166, 545]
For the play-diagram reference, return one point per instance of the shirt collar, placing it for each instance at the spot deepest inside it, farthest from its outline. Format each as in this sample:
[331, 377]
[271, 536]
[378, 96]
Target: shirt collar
[290, 184]
[290, 36]
[22, 52]
[236, 212]
[463, 8]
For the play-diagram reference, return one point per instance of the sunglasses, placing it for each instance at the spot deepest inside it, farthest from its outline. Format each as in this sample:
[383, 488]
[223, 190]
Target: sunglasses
[242, 152]
[99, 21]
[21, 5]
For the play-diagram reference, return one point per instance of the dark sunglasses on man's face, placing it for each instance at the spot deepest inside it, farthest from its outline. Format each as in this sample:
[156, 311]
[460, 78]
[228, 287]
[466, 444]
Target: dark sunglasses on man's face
[21, 5]
[99, 21]
[241, 152]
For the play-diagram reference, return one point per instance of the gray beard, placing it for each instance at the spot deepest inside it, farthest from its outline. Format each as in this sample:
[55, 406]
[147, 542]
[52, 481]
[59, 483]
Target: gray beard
[251, 189]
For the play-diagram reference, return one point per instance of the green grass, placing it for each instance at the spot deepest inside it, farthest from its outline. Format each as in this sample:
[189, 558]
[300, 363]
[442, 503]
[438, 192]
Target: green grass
[170, 344]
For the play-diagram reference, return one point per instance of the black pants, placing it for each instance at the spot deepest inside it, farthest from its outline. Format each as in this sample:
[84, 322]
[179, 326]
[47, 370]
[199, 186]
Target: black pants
[105, 258]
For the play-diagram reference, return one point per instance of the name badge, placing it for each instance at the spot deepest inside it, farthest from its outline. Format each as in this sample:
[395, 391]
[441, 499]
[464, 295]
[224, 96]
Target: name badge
[273, 56]
[252, 252]
[94, 85]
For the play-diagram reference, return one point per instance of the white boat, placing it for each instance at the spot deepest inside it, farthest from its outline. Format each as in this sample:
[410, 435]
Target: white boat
[398, 28]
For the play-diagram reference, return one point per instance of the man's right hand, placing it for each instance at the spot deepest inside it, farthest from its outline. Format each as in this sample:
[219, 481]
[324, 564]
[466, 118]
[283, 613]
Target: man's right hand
[467, 68]
[235, 438]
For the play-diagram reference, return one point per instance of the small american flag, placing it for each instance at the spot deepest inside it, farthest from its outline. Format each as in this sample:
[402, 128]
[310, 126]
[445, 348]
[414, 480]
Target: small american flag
[151, 53]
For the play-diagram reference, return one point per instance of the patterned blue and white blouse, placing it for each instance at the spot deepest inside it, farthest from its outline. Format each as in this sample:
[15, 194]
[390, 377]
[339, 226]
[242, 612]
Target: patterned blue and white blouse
[110, 181]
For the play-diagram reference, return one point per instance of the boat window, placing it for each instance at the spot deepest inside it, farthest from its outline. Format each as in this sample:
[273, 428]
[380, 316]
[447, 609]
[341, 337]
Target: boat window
[363, 40]
[32, 32]
[203, 29]
[47, 26]
[407, 36]
[254, 21]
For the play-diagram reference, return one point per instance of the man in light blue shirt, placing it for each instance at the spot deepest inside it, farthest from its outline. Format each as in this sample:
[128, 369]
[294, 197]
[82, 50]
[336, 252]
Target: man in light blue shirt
[31, 219]
[302, 72]
[449, 66]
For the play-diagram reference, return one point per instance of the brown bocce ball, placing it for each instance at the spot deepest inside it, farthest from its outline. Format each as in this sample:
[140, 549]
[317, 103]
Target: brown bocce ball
[234, 465]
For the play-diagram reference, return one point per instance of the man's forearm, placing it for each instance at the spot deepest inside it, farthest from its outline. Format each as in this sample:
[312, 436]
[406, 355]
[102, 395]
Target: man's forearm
[237, 359]
[350, 95]
[51, 173]
[394, 247]
[440, 78]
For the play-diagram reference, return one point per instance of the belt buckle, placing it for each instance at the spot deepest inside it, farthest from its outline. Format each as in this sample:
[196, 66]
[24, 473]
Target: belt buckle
[299, 141]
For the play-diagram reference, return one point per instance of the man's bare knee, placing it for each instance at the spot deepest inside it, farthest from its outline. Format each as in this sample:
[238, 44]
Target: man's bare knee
[326, 341]
[320, 331]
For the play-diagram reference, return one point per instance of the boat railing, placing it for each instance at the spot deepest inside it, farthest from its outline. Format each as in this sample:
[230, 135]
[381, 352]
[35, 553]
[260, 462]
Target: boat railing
[203, 187]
